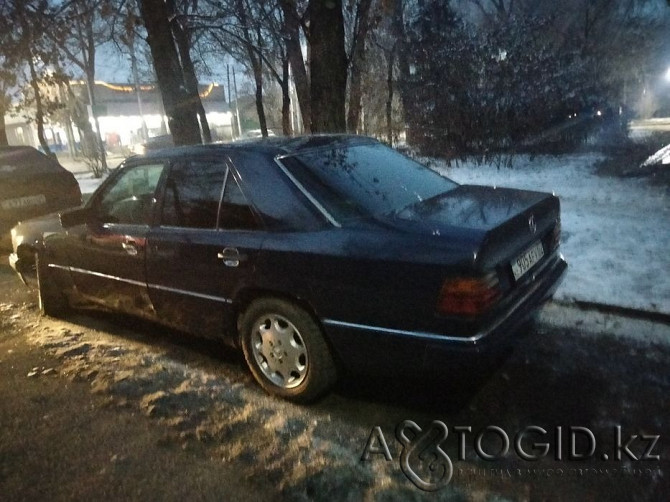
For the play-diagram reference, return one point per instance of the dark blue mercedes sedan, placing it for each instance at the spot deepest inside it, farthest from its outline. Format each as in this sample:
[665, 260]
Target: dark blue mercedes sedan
[314, 255]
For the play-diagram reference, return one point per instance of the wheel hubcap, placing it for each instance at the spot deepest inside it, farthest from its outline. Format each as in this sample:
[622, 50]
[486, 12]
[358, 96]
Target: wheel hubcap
[279, 351]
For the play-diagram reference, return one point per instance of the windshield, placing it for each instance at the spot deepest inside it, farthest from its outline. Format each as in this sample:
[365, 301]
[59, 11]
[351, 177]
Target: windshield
[364, 180]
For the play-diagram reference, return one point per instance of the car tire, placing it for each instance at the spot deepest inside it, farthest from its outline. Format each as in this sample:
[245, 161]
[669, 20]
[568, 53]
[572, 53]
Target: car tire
[52, 302]
[286, 351]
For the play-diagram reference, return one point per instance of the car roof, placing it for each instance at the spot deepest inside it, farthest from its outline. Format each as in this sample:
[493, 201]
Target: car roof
[17, 149]
[273, 146]
[28, 160]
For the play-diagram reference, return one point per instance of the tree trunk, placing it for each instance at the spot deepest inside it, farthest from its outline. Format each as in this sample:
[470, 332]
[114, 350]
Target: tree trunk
[181, 111]
[202, 118]
[79, 115]
[294, 52]
[287, 130]
[400, 48]
[4, 141]
[389, 99]
[256, 62]
[100, 145]
[182, 38]
[87, 41]
[138, 94]
[3, 131]
[355, 96]
[34, 84]
[357, 64]
[39, 109]
[258, 80]
[328, 66]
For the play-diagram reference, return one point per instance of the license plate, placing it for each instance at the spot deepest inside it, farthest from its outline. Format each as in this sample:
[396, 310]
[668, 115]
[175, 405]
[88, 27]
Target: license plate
[525, 261]
[19, 202]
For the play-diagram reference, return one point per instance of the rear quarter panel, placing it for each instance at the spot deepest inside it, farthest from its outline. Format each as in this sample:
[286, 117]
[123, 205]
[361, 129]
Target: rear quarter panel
[377, 278]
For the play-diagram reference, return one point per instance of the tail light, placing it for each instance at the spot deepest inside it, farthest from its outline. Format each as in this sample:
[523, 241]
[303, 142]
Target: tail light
[468, 295]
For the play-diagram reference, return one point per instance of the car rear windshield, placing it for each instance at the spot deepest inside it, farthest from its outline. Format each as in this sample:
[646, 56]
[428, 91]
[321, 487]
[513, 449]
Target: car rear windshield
[364, 180]
[21, 161]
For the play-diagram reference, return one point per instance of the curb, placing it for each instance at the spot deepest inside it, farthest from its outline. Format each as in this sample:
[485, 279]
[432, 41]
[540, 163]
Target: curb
[601, 320]
[604, 308]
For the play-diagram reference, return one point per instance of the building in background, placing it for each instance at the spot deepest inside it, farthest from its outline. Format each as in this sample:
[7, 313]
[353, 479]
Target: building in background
[127, 118]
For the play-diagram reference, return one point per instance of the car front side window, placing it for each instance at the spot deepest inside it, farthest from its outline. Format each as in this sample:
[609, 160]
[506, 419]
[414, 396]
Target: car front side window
[129, 200]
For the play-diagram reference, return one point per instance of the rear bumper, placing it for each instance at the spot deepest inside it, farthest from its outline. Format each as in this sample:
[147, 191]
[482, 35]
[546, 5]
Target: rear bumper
[363, 348]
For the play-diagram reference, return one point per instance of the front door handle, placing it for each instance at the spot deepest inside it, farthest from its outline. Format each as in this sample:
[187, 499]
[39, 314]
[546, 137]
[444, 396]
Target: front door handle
[231, 257]
[129, 247]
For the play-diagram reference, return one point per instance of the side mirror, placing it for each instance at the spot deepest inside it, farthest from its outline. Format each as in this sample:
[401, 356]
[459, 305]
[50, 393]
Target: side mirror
[74, 217]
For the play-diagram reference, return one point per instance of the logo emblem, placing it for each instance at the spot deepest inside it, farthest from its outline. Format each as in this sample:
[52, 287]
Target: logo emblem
[422, 459]
[531, 224]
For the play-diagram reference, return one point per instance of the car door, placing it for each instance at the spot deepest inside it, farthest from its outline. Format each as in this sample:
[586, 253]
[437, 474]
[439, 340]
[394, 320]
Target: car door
[204, 247]
[106, 255]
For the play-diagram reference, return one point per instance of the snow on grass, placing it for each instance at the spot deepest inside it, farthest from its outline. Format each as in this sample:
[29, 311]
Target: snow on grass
[616, 232]
[88, 182]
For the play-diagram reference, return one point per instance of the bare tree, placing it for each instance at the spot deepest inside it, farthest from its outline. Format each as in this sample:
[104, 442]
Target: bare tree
[396, 54]
[79, 31]
[361, 26]
[328, 66]
[236, 26]
[291, 29]
[252, 37]
[125, 34]
[253, 34]
[276, 56]
[181, 28]
[7, 80]
[28, 57]
[270, 34]
[180, 105]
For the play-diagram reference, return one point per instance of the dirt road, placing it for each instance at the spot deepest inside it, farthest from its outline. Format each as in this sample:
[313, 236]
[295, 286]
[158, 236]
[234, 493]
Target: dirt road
[107, 408]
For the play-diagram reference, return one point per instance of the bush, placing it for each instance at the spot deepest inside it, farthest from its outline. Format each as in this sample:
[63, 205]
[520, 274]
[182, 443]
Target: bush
[504, 89]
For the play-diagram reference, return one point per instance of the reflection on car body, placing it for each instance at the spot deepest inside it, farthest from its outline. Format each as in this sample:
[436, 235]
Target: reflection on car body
[312, 254]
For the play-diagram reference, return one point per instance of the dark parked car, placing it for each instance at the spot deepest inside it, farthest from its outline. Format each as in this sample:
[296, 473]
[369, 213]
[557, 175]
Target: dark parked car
[312, 254]
[154, 143]
[32, 184]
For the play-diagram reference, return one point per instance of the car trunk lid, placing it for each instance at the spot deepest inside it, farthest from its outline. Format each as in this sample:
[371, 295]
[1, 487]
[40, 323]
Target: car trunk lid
[503, 222]
[27, 196]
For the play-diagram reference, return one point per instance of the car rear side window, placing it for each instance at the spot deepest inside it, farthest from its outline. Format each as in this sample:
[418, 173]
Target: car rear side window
[193, 192]
[278, 203]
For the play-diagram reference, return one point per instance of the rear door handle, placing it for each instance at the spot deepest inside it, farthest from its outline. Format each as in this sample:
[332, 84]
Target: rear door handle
[231, 257]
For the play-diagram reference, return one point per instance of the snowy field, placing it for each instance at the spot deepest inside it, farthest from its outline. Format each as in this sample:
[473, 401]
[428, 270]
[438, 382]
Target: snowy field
[616, 232]
[88, 183]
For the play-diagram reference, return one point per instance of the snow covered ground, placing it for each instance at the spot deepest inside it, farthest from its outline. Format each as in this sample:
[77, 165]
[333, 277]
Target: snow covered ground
[616, 232]
[88, 183]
